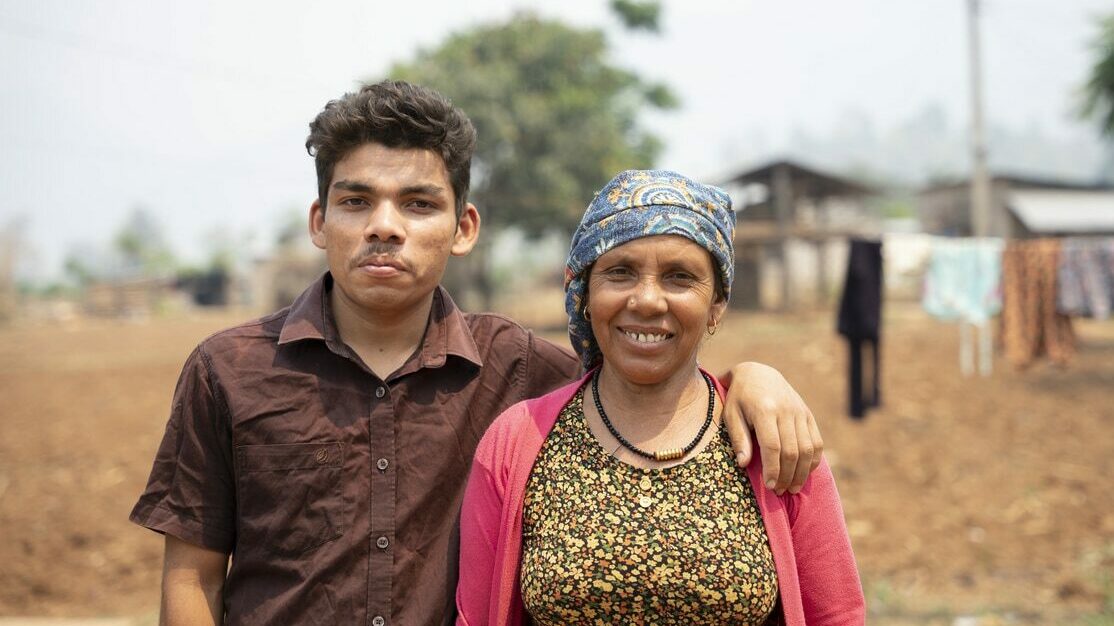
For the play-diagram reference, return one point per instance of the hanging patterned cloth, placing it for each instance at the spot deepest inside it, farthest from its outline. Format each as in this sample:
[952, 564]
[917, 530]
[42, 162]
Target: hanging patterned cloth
[1031, 324]
[963, 284]
[1086, 277]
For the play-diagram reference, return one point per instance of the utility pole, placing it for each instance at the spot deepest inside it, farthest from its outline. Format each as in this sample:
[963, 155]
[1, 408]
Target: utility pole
[980, 177]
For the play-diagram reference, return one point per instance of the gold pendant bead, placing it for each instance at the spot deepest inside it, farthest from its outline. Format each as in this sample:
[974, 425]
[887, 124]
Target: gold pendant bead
[668, 454]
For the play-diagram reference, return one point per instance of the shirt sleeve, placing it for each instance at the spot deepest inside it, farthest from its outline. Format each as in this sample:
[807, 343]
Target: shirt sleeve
[548, 366]
[831, 592]
[190, 493]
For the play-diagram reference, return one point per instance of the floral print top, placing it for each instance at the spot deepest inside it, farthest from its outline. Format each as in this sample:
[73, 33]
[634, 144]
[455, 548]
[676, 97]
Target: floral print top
[605, 542]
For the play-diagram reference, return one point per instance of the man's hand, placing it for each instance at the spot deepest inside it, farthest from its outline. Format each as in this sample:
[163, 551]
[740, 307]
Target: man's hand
[787, 434]
[192, 584]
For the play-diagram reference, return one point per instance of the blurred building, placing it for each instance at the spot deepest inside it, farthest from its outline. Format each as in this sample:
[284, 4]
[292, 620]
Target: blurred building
[791, 236]
[133, 297]
[294, 264]
[1022, 207]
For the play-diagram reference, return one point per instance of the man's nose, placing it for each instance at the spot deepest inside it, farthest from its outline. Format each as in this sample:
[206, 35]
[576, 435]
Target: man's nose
[385, 223]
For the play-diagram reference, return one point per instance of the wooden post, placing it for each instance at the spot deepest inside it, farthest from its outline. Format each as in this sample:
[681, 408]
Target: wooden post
[980, 178]
[821, 247]
[783, 206]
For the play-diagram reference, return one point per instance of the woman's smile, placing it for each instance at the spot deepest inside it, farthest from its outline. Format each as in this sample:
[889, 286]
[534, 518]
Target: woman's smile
[646, 337]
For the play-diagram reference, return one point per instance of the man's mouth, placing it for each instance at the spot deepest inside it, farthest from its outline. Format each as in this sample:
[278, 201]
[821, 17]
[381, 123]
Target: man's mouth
[381, 262]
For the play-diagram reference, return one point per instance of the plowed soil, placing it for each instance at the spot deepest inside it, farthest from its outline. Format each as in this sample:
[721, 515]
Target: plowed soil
[988, 497]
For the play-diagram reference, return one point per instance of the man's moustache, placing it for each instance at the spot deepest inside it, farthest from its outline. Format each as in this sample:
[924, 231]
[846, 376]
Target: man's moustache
[380, 249]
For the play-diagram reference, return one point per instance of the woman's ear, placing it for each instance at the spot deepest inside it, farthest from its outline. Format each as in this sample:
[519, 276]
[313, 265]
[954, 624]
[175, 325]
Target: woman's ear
[718, 310]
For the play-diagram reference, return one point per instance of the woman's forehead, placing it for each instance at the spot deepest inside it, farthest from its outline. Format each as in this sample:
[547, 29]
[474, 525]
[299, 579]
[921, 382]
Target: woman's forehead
[656, 247]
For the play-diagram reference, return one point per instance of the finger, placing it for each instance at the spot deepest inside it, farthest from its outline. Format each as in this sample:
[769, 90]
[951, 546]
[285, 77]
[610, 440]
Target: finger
[817, 441]
[805, 453]
[790, 452]
[739, 433]
[769, 442]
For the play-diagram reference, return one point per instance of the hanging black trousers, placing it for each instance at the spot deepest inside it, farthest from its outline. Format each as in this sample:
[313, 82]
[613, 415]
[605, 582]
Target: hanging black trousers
[863, 394]
[860, 322]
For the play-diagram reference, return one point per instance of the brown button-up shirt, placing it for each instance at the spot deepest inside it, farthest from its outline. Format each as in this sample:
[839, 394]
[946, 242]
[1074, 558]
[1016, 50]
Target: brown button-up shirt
[336, 493]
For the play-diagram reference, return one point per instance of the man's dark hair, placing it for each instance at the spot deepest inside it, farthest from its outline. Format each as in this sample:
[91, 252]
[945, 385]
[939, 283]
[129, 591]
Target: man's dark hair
[396, 114]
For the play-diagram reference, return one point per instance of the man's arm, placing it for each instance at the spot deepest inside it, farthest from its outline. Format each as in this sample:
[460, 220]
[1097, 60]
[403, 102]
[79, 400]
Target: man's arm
[192, 584]
[786, 430]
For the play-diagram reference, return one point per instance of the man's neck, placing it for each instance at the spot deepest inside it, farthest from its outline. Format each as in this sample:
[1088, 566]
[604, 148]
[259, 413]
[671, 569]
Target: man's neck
[383, 340]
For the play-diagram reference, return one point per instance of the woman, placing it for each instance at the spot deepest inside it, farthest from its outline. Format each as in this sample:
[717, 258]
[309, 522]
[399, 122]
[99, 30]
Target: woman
[615, 499]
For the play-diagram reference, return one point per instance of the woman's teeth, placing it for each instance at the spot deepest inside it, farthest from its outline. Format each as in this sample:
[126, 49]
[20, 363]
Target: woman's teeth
[646, 337]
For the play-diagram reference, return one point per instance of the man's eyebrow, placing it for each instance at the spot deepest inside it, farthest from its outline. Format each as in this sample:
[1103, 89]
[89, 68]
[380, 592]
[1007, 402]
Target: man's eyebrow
[348, 185]
[422, 190]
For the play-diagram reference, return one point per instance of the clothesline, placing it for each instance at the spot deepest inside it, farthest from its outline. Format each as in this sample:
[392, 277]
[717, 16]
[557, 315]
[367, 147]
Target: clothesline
[1036, 286]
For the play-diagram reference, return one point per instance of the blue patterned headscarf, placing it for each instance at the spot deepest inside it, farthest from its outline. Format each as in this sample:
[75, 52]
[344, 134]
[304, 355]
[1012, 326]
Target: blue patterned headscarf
[644, 203]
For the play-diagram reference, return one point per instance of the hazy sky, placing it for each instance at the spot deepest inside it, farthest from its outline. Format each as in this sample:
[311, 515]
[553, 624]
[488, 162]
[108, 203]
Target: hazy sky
[199, 110]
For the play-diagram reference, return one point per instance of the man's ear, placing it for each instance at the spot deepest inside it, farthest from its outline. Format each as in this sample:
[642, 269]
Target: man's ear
[467, 231]
[317, 224]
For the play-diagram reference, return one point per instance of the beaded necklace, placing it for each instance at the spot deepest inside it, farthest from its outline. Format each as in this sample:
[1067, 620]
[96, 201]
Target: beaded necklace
[668, 454]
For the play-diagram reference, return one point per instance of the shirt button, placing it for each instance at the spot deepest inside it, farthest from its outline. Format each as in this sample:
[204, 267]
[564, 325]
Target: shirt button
[378, 621]
[380, 392]
[382, 543]
[382, 464]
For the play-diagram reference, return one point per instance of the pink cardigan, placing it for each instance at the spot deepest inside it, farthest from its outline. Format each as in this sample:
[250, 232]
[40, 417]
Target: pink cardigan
[817, 577]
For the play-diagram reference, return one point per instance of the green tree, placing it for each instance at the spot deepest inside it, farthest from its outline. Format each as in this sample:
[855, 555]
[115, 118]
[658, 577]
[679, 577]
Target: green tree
[1099, 91]
[555, 120]
[141, 247]
[638, 15]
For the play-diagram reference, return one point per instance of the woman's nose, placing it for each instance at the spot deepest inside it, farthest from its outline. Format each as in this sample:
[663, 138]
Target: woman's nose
[648, 296]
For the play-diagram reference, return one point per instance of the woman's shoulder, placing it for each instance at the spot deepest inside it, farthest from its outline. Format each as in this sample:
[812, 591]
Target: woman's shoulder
[525, 423]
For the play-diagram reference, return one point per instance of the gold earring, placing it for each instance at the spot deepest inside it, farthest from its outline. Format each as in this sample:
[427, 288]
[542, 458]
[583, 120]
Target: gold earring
[714, 327]
[587, 315]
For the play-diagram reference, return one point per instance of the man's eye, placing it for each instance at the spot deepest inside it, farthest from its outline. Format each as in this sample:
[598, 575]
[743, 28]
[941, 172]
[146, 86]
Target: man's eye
[353, 201]
[421, 204]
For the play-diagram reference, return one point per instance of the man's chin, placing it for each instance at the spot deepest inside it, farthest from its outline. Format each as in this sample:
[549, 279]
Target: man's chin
[388, 296]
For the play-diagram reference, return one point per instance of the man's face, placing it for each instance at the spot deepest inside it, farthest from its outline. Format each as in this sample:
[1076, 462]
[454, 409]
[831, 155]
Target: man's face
[390, 226]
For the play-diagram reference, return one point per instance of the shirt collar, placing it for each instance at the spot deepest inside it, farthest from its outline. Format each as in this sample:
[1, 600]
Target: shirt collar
[447, 332]
[310, 316]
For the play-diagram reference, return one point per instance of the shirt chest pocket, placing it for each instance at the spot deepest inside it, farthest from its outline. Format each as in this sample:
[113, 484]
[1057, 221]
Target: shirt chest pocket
[289, 496]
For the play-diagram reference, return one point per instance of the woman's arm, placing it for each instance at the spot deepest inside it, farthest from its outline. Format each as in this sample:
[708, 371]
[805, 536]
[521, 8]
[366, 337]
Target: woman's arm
[784, 426]
[831, 591]
[480, 526]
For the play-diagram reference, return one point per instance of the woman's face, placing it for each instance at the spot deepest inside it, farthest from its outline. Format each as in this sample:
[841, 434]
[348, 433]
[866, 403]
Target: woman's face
[650, 301]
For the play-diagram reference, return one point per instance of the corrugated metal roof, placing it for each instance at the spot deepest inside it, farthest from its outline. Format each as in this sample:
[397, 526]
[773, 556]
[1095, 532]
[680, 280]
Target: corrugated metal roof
[1023, 181]
[1064, 212]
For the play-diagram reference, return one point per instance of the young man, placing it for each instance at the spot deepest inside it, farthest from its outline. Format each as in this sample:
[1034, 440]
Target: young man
[326, 447]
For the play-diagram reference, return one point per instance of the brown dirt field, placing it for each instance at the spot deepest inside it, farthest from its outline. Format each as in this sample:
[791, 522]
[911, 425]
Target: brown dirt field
[983, 497]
